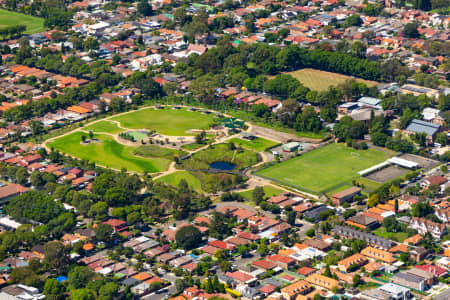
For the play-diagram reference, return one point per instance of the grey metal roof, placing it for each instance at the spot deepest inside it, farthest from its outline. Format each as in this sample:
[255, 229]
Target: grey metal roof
[369, 101]
[408, 277]
[420, 126]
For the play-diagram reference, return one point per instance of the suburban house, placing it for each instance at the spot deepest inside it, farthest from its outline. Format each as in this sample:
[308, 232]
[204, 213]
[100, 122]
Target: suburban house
[378, 254]
[11, 190]
[423, 226]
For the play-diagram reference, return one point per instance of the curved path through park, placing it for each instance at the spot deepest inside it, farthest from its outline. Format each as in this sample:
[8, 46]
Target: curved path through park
[262, 132]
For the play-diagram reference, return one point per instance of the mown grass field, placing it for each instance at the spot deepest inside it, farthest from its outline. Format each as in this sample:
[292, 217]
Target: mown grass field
[174, 179]
[166, 121]
[33, 24]
[257, 145]
[104, 126]
[157, 151]
[107, 152]
[325, 168]
[320, 80]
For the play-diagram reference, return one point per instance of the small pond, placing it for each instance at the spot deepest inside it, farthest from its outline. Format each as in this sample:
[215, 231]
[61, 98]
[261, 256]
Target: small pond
[222, 165]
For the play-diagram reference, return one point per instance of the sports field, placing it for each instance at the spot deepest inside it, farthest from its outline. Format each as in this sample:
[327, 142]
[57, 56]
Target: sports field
[320, 80]
[258, 144]
[174, 179]
[9, 18]
[107, 152]
[104, 126]
[166, 121]
[324, 169]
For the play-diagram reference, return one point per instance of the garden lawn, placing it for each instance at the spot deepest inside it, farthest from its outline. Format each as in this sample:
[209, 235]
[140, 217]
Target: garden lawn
[324, 169]
[320, 80]
[109, 153]
[396, 236]
[138, 136]
[258, 144]
[166, 121]
[174, 179]
[104, 126]
[269, 191]
[33, 24]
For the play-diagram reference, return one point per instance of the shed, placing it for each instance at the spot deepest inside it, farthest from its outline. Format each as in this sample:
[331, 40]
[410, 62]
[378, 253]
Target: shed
[291, 147]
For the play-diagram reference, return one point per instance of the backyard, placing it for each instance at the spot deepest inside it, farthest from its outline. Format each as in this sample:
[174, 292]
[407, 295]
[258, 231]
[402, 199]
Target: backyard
[109, 153]
[324, 169]
[396, 236]
[166, 121]
[33, 24]
[320, 80]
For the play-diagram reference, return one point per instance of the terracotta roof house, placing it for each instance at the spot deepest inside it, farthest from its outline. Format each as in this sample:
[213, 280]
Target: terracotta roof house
[11, 190]
[283, 261]
[322, 281]
[242, 214]
[356, 259]
[264, 264]
[291, 291]
[117, 225]
[378, 254]
[306, 271]
[433, 180]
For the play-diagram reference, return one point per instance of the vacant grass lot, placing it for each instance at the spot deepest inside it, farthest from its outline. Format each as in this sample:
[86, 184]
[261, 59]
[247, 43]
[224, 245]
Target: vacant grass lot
[320, 80]
[166, 121]
[257, 145]
[104, 126]
[33, 24]
[107, 152]
[324, 169]
[174, 179]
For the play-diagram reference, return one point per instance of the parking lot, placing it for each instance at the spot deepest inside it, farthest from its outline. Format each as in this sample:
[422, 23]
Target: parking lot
[423, 162]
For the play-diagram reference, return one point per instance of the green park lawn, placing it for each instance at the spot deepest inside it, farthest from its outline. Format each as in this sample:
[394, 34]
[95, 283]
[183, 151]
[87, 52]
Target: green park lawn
[269, 191]
[104, 126]
[166, 121]
[33, 24]
[324, 169]
[221, 153]
[174, 179]
[109, 153]
[258, 144]
[157, 151]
